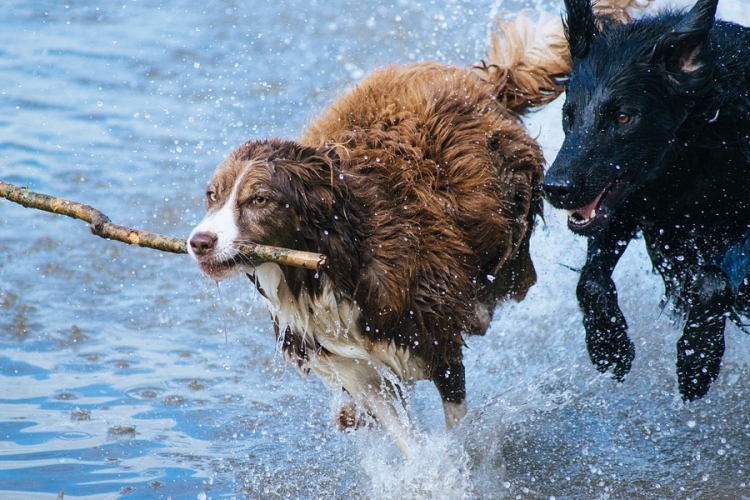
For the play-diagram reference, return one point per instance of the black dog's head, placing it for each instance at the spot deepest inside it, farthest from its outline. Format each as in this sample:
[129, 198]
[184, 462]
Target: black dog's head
[631, 88]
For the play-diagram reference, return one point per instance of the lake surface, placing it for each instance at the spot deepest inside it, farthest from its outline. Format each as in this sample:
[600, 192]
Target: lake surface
[125, 373]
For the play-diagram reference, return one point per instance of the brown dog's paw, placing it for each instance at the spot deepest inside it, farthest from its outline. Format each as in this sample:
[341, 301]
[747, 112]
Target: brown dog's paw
[346, 418]
[349, 419]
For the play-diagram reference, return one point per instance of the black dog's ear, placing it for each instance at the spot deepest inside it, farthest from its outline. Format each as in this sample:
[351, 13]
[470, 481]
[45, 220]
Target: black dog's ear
[580, 27]
[682, 49]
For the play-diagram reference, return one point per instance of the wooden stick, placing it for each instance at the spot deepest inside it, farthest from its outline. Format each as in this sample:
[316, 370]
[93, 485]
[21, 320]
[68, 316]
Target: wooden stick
[296, 258]
[100, 223]
[101, 226]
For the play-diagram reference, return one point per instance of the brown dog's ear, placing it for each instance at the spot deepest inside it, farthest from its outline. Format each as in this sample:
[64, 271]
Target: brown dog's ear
[333, 155]
[580, 27]
[309, 177]
[684, 49]
[326, 159]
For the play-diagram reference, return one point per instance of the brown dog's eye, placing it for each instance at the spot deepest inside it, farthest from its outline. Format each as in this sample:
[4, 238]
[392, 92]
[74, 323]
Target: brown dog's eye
[259, 200]
[211, 195]
[623, 118]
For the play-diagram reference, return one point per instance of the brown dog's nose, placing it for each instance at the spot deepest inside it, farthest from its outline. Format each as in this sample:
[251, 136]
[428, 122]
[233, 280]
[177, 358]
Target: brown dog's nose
[203, 243]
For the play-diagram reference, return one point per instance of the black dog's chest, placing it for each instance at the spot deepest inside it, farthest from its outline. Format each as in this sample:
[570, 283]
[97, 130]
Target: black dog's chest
[698, 214]
[673, 256]
[685, 237]
[677, 246]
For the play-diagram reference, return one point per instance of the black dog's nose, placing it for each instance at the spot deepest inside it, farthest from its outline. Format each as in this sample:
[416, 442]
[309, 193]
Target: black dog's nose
[557, 191]
[203, 243]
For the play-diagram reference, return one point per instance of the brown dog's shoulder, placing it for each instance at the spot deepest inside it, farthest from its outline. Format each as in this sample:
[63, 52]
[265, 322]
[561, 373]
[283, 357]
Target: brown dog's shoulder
[449, 179]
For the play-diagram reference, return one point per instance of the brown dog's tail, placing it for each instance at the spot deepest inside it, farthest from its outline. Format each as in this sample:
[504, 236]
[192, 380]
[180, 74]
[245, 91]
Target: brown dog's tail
[528, 57]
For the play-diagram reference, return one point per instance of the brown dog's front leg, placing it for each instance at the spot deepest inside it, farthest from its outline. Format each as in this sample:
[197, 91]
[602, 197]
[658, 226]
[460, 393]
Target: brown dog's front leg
[450, 379]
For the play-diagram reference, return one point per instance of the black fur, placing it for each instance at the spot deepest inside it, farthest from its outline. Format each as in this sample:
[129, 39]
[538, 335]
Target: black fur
[657, 141]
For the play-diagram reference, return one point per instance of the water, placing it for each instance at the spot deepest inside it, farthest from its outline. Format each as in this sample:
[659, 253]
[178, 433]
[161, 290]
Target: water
[124, 373]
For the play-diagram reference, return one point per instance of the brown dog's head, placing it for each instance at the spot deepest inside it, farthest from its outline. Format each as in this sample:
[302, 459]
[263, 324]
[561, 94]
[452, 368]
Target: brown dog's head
[275, 192]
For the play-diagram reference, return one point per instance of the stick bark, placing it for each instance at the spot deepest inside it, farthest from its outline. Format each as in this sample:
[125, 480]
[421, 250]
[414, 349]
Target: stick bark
[102, 226]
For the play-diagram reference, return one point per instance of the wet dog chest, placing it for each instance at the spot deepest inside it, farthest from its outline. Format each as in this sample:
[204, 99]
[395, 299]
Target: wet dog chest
[323, 320]
[330, 325]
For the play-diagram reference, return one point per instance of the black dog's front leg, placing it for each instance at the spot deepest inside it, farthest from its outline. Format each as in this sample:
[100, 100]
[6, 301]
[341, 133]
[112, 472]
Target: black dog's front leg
[701, 347]
[606, 329]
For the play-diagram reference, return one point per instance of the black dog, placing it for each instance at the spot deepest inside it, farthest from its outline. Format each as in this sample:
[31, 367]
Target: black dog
[657, 141]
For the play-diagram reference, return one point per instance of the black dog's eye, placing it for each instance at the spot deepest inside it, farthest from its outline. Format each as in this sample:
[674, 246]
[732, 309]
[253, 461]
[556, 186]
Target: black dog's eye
[623, 118]
[259, 200]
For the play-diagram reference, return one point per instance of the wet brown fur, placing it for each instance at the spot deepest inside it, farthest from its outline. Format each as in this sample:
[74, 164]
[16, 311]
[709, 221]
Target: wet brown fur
[419, 186]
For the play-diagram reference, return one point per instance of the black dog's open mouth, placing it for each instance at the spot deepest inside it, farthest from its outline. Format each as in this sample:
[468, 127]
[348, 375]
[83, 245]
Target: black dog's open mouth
[595, 213]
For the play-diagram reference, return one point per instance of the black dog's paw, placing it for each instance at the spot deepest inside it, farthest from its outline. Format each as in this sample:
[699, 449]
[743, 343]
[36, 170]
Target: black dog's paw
[699, 353]
[611, 351]
[701, 347]
[695, 379]
[607, 340]
[695, 385]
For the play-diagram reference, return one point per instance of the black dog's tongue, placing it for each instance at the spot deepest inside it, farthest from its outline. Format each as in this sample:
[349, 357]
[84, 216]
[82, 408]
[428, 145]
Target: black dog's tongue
[586, 213]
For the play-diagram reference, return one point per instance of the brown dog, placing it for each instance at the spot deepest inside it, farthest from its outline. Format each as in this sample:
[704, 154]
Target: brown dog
[421, 186]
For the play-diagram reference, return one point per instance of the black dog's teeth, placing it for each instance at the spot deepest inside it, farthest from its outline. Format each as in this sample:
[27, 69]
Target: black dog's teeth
[578, 219]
